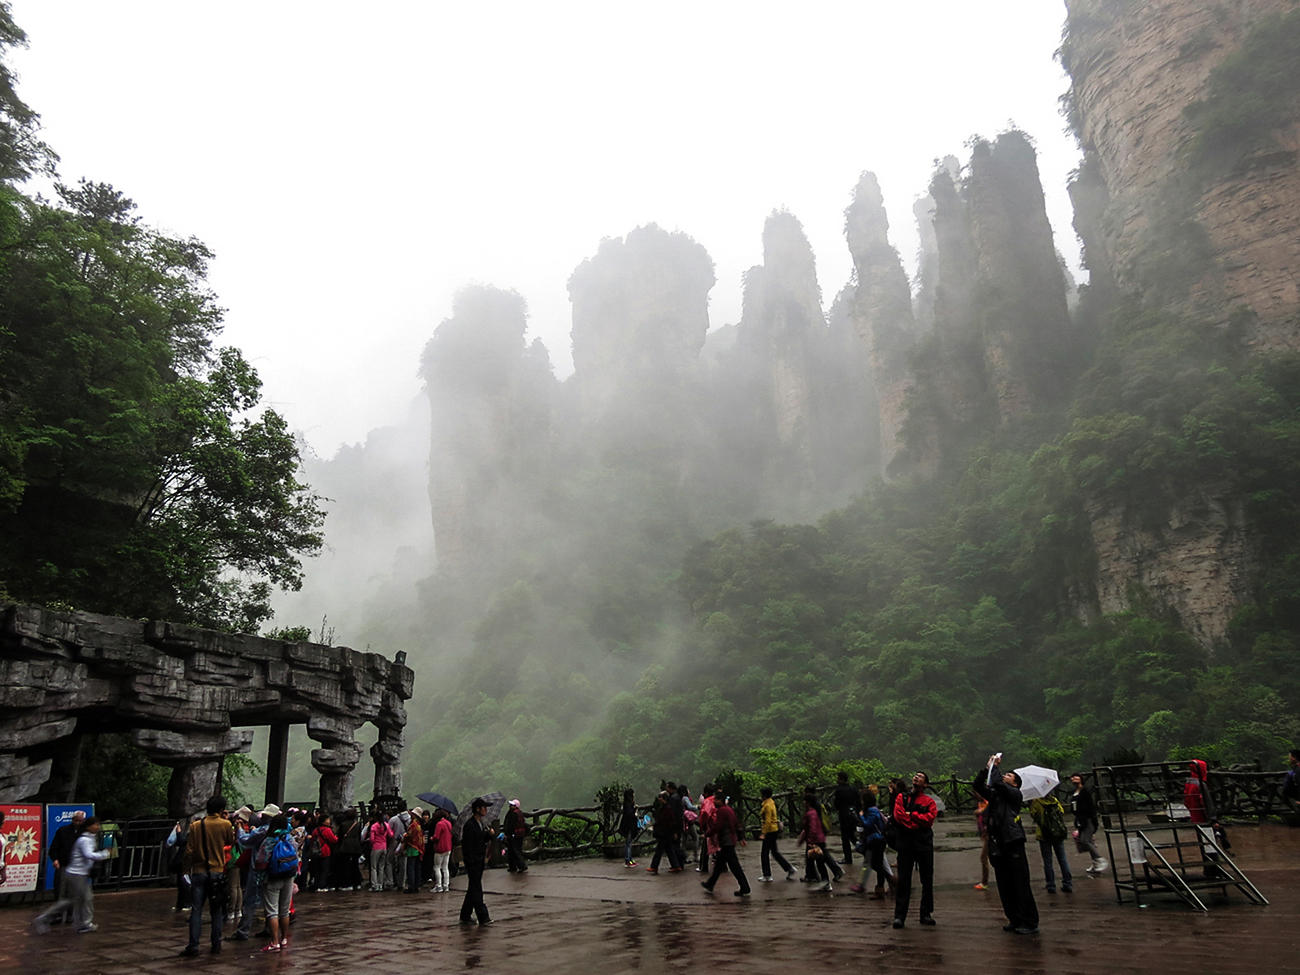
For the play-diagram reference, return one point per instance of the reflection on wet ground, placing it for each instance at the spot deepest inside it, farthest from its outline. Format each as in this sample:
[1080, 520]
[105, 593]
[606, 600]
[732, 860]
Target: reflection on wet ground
[595, 917]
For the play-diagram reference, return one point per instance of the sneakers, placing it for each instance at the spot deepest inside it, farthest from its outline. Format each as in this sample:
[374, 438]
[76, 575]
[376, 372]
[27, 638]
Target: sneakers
[856, 889]
[792, 875]
[826, 887]
[87, 928]
[629, 863]
[981, 886]
[273, 946]
[765, 879]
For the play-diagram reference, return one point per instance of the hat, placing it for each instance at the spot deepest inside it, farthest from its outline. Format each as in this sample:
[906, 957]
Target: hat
[417, 810]
[515, 803]
[271, 810]
[244, 812]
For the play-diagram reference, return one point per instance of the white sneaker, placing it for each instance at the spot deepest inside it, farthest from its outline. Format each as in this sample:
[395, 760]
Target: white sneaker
[792, 875]
[826, 887]
[1102, 865]
[765, 879]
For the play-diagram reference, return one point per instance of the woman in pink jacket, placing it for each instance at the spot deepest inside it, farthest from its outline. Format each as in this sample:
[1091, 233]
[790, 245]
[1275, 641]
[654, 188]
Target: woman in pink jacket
[378, 834]
[441, 852]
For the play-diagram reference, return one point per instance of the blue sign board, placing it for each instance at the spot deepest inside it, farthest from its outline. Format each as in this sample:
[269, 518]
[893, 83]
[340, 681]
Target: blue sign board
[56, 816]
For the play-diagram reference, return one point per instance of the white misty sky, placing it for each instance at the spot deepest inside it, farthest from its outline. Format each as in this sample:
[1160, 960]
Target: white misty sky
[353, 165]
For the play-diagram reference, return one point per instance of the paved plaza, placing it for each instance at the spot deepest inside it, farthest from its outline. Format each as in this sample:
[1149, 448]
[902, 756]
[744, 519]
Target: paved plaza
[596, 917]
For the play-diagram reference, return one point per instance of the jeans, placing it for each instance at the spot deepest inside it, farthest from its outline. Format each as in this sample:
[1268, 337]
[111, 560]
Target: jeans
[198, 893]
[413, 874]
[627, 847]
[922, 860]
[770, 851]
[252, 900]
[1047, 848]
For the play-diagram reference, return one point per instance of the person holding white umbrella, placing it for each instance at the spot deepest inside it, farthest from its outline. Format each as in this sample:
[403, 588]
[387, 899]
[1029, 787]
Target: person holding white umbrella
[1007, 845]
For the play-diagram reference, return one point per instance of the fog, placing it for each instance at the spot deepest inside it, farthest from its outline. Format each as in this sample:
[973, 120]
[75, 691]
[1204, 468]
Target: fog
[552, 294]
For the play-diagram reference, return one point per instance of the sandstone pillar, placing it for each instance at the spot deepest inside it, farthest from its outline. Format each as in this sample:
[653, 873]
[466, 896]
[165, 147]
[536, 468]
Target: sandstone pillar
[195, 760]
[191, 787]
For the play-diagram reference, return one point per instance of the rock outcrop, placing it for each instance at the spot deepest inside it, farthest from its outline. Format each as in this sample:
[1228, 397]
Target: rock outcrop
[1200, 242]
[180, 691]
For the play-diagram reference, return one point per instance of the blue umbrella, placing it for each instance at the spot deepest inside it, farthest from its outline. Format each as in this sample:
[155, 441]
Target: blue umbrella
[442, 802]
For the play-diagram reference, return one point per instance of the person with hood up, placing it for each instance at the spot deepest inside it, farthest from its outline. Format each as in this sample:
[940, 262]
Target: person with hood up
[1007, 845]
[1196, 793]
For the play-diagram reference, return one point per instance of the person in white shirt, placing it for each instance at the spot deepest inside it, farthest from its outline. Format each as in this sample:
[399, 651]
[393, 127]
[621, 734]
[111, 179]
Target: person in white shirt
[77, 892]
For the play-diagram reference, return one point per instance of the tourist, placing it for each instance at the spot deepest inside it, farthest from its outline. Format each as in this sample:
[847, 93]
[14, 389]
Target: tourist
[320, 847]
[77, 893]
[1196, 793]
[413, 852]
[708, 846]
[771, 830]
[726, 828]
[205, 862]
[237, 867]
[1084, 808]
[377, 837]
[176, 841]
[813, 836]
[278, 890]
[914, 816]
[664, 831]
[515, 829]
[1050, 831]
[252, 840]
[1291, 782]
[61, 851]
[690, 820]
[1007, 846]
[345, 871]
[629, 826]
[396, 867]
[845, 800]
[982, 828]
[442, 842]
[473, 845]
[873, 848]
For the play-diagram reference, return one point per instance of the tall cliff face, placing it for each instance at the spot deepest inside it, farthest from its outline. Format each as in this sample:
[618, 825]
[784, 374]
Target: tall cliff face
[1002, 336]
[882, 306]
[1197, 235]
[491, 397]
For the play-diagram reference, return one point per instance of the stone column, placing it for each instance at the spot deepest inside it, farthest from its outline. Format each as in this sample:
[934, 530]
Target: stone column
[195, 760]
[277, 762]
[335, 762]
[387, 753]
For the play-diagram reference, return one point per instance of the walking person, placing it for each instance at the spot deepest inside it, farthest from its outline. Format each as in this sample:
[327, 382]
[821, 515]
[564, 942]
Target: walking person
[873, 848]
[1049, 829]
[442, 841]
[813, 837]
[726, 828]
[1084, 807]
[914, 816]
[665, 834]
[473, 846]
[628, 826]
[205, 862]
[771, 830]
[60, 853]
[1007, 846]
[77, 891]
[845, 801]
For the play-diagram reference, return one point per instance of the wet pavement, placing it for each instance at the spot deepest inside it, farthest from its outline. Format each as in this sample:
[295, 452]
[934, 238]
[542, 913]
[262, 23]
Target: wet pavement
[596, 917]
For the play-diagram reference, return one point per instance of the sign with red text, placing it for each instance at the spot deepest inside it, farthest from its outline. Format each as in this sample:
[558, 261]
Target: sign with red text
[22, 847]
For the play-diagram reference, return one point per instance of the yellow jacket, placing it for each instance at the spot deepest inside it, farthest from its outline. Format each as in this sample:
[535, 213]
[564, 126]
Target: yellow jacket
[768, 813]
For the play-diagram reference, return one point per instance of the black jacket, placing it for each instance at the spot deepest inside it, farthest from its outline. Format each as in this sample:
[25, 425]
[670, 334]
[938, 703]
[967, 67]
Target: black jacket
[1003, 815]
[474, 842]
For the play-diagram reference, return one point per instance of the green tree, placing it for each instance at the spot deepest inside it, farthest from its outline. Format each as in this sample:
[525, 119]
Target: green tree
[138, 479]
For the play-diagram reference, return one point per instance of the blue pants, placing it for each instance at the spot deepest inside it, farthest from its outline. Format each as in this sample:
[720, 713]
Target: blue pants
[198, 893]
[1047, 848]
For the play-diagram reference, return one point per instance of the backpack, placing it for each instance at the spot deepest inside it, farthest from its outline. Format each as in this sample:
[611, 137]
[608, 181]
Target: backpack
[315, 848]
[1053, 819]
[277, 856]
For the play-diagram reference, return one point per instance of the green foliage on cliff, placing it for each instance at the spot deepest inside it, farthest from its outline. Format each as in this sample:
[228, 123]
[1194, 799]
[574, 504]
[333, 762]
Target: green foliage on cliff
[1250, 94]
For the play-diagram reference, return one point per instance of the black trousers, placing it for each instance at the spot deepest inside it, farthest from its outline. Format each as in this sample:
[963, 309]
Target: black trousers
[1011, 868]
[474, 895]
[922, 860]
[664, 846]
[727, 860]
[848, 833]
[770, 851]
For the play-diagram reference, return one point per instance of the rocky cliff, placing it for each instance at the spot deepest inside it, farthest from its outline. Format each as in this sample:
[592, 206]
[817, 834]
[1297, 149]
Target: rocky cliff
[1200, 234]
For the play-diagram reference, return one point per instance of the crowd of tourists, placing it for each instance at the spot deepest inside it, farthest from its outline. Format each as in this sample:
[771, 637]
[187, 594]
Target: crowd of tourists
[247, 867]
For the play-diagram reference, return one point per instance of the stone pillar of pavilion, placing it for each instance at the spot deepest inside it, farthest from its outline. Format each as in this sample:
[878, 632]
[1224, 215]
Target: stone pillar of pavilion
[336, 761]
[195, 761]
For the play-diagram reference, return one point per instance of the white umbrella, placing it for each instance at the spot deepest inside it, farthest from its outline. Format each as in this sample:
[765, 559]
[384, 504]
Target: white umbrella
[1037, 782]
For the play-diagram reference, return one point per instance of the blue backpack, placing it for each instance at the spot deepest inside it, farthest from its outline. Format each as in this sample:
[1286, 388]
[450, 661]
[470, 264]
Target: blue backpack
[277, 855]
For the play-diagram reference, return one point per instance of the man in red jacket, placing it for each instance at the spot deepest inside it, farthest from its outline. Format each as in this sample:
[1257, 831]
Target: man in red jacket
[725, 828]
[914, 816]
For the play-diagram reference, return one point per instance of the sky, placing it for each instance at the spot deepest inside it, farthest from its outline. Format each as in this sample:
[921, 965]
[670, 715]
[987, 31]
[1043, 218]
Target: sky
[353, 165]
